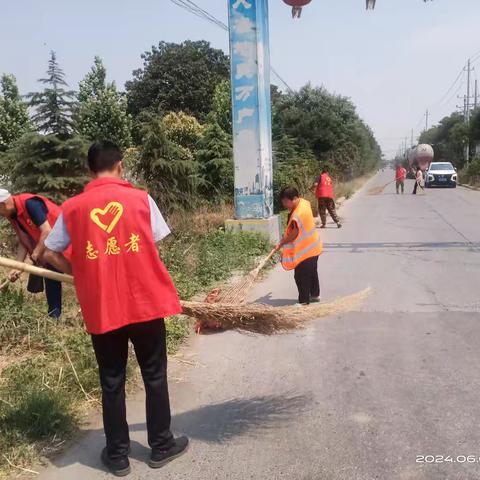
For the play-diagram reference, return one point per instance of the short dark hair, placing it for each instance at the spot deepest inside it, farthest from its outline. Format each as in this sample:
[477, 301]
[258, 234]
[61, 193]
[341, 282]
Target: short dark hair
[289, 192]
[324, 170]
[103, 156]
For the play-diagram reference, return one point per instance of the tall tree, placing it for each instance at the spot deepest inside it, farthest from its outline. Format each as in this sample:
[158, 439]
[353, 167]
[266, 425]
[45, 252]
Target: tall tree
[222, 106]
[47, 164]
[53, 105]
[14, 120]
[101, 111]
[169, 170]
[215, 158]
[177, 77]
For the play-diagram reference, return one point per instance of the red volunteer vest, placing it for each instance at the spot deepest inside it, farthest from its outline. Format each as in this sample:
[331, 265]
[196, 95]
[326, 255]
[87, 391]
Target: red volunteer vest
[119, 277]
[25, 221]
[325, 186]
[400, 174]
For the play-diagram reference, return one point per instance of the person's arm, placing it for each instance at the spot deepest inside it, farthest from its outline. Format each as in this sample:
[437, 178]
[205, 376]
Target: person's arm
[14, 275]
[38, 212]
[39, 250]
[57, 242]
[58, 260]
[160, 229]
[290, 235]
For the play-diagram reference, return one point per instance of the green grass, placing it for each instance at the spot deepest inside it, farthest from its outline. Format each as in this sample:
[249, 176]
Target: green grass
[51, 379]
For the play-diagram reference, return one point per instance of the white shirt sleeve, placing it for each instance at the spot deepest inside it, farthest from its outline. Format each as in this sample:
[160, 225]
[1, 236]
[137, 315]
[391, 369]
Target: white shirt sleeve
[159, 227]
[58, 239]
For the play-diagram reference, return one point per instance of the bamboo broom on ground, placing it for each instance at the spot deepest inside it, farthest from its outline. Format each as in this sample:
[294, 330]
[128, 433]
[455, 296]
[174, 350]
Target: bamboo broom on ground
[257, 318]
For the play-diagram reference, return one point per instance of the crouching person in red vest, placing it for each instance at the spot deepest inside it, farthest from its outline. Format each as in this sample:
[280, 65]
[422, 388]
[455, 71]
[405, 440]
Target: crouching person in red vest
[124, 292]
[32, 217]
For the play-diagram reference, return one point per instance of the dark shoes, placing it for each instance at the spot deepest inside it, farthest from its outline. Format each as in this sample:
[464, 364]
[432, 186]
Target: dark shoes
[339, 225]
[159, 458]
[120, 467]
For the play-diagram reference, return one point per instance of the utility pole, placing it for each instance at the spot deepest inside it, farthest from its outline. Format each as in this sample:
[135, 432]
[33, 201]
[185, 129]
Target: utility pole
[476, 95]
[469, 70]
[426, 120]
[467, 109]
[411, 139]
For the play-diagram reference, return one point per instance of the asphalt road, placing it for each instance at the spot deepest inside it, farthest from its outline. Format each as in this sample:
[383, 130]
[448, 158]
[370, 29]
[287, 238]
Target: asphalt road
[353, 397]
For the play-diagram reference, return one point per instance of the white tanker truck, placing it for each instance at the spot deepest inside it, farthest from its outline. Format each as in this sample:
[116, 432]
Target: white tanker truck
[420, 157]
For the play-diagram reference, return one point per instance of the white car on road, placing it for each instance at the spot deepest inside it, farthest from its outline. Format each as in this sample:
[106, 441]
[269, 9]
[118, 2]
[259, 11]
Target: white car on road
[441, 174]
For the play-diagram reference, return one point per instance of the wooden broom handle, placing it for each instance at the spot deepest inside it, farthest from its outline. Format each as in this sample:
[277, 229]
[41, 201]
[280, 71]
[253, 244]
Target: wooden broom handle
[41, 272]
[264, 261]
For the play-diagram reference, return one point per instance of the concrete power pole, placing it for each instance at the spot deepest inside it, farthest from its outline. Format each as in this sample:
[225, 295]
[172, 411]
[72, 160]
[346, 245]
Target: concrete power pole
[467, 110]
[426, 120]
[475, 104]
[411, 139]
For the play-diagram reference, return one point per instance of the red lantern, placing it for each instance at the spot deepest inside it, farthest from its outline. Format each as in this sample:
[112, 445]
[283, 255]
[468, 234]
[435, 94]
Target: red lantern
[297, 6]
[297, 3]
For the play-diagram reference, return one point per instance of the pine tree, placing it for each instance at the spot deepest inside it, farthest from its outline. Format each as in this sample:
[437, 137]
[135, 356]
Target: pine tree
[53, 106]
[48, 165]
[169, 170]
[215, 158]
[101, 112]
[14, 120]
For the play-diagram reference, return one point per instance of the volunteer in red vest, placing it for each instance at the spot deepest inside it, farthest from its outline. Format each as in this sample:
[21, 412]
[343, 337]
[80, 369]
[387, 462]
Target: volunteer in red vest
[301, 245]
[32, 217]
[400, 175]
[325, 198]
[124, 292]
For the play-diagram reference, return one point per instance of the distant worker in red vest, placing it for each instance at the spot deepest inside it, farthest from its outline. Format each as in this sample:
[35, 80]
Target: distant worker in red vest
[32, 217]
[400, 175]
[325, 198]
[301, 245]
[124, 292]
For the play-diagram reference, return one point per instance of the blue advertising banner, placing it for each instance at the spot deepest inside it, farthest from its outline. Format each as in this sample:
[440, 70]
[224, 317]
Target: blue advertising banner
[252, 138]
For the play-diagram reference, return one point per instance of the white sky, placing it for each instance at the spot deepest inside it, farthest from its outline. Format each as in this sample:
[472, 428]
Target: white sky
[393, 62]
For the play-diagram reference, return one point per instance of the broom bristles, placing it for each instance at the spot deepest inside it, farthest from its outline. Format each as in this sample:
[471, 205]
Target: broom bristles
[265, 319]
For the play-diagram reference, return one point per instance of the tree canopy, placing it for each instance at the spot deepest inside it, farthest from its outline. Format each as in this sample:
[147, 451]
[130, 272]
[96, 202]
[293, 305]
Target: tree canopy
[177, 77]
[53, 105]
[101, 112]
[14, 119]
[328, 126]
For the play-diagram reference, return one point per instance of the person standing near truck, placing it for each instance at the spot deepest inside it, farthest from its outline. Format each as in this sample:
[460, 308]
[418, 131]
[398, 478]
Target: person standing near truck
[325, 199]
[418, 180]
[400, 175]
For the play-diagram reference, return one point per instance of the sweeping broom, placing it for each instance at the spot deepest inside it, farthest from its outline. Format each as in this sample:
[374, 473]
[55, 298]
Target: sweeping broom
[237, 292]
[255, 318]
[379, 189]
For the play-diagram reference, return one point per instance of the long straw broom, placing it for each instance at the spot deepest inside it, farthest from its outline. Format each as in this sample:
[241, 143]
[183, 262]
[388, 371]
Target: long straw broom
[255, 318]
[237, 292]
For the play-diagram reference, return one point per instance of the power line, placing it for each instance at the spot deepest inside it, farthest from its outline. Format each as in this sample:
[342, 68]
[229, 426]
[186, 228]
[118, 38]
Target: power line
[198, 11]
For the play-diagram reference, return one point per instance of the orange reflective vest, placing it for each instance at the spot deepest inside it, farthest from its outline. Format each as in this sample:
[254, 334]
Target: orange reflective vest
[308, 243]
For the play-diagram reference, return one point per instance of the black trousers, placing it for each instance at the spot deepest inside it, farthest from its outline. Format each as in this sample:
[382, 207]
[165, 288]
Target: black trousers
[306, 278]
[111, 350]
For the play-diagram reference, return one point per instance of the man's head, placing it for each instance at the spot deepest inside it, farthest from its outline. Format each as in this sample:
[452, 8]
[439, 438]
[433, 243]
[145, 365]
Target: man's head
[7, 205]
[289, 197]
[105, 159]
[324, 170]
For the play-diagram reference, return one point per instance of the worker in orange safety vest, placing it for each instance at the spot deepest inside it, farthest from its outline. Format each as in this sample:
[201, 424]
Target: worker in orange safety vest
[301, 245]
